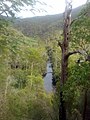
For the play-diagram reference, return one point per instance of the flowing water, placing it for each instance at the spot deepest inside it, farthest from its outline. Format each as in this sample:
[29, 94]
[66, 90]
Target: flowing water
[48, 78]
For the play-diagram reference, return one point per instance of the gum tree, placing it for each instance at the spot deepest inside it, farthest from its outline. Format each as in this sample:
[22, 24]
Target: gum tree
[64, 45]
[65, 54]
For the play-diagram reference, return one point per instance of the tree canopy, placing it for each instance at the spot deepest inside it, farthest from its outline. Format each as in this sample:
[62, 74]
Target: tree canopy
[10, 7]
[24, 59]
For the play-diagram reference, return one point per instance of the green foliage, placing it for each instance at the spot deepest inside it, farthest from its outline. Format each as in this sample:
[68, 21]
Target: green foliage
[27, 104]
[54, 53]
[21, 85]
[78, 69]
[80, 32]
[78, 81]
[10, 7]
[23, 61]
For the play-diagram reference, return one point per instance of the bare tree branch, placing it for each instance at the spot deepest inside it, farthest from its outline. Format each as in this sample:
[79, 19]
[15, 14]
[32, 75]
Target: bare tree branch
[71, 53]
[77, 18]
[60, 44]
[88, 58]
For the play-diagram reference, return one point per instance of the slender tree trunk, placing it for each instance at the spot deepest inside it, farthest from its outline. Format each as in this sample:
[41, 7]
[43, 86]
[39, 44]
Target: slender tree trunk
[64, 73]
[32, 69]
[64, 62]
[62, 108]
[85, 104]
[7, 85]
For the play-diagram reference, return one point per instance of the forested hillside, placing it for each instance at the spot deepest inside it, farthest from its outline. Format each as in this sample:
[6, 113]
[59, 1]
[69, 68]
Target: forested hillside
[44, 26]
[44, 64]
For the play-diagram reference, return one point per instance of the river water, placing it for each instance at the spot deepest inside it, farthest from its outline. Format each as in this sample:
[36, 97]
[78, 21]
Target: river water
[48, 78]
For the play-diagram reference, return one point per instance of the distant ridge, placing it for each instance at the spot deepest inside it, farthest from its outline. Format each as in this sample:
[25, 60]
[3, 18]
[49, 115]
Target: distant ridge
[43, 26]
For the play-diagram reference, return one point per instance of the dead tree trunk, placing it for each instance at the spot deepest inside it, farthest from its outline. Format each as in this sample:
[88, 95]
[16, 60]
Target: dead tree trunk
[85, 104]
[65, 54]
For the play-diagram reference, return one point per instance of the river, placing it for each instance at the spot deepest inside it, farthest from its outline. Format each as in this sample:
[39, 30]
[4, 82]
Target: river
[48, 78]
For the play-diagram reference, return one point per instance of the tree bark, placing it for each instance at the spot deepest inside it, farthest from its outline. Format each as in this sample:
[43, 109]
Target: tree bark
[64, 62]
[64, 72]
[85, 104]
[62, 108]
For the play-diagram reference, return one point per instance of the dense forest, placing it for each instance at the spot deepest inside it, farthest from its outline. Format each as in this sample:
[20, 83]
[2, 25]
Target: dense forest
[53, 51]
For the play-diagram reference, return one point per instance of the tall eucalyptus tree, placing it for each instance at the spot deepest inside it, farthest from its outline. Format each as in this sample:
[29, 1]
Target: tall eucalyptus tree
[64, 45]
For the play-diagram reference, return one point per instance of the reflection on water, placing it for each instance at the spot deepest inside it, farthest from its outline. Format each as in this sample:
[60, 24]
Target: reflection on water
[48, 78]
